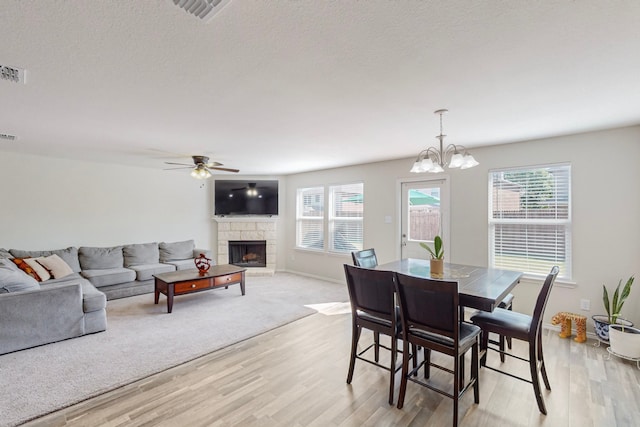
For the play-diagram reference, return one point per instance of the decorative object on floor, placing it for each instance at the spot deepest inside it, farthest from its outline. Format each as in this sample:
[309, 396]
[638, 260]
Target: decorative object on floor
[434, 160]
[437, 257]
[203, 9]
[564, 320]
[613, 308]
[625, 342]
[201, 167]
[203, 264]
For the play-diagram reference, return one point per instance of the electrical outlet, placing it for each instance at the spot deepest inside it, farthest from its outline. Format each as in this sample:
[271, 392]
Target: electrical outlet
[585, 304]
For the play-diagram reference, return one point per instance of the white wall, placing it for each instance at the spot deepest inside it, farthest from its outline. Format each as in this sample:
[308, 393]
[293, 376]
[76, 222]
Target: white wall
[50, 203]
[606, 213]
[69, 203]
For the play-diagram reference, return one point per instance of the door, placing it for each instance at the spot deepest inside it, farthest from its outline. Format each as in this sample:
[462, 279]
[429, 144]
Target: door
[424, 215]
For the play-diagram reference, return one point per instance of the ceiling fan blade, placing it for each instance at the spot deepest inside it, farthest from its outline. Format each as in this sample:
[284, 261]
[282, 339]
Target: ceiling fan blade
[181, 164]
[225, 169]
[181, 167]
[213, 164]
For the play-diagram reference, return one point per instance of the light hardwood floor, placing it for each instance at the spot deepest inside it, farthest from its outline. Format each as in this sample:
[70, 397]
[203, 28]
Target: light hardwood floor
[295, 376]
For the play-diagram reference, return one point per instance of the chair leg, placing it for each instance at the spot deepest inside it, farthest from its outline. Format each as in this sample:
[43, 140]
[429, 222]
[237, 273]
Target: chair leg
[414, 351]
[474, 372]
[509, 338]
[427, 363]
[543, 370]
[456, 387]
[501, 341]
[376, 349]
[535, 380]
[355, 336]
[405, 373]
[392, 366]
[484, 343]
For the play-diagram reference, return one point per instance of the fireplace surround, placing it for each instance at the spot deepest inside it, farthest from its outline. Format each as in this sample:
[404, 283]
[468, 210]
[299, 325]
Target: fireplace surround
[248, 229]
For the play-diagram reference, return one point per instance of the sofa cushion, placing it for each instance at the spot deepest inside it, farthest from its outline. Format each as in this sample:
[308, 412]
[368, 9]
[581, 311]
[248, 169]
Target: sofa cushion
[5, 253]
[176, 250]
[56, 266]
[109, 276]
[92, 299]
[12, 279]
[146, 272]
[182, 264]
[100, 258]
[40, 270]
[140, 254]
[69, 255]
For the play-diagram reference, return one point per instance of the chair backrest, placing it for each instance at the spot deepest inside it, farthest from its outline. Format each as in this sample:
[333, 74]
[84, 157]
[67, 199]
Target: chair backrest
[541, 302]
[371, 291]
[429, 305]
[365, 258]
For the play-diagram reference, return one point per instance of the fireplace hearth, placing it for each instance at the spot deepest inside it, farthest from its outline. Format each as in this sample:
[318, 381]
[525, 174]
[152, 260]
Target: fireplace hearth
[248, 253]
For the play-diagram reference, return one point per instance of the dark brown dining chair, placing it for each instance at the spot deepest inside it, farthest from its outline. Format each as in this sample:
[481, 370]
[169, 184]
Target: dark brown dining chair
[430, 316]
[373, 307]
[507, 323]
[365, 258]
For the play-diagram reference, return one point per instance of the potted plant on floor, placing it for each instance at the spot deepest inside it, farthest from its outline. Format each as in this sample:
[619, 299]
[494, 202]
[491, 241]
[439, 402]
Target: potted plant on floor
[623, 339]
[613, 308]
[437, 256]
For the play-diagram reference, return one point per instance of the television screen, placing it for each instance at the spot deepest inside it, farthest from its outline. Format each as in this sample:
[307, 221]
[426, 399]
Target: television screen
[250, 197]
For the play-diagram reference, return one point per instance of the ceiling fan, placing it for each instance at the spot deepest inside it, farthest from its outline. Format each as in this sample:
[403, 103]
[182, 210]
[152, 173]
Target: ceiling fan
[201, 168]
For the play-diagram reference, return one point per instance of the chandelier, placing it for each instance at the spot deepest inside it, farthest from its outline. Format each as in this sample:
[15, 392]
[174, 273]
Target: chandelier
[434, 160]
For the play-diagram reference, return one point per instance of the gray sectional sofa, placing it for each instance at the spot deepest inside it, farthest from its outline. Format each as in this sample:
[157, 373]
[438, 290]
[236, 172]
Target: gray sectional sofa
[33, 313]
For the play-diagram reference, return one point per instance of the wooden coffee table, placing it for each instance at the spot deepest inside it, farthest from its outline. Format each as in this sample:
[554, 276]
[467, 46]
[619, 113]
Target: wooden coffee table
[189, 281]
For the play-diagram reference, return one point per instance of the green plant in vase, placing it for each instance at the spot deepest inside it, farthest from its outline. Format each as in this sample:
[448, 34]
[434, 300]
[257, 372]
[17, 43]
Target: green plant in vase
[437, 256]
[437, 252]
[614, 307]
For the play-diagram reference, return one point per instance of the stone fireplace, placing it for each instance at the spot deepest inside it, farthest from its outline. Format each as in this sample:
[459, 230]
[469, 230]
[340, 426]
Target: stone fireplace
[238, 231]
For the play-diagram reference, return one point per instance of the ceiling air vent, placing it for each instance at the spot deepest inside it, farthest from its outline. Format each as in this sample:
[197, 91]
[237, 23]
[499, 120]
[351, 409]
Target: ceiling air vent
[203, 9]
[12, 74]
[7, 137]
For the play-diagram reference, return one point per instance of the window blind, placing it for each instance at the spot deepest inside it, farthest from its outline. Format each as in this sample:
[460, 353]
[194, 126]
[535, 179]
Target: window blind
[530, 219]
[346, 219]
[310, 218]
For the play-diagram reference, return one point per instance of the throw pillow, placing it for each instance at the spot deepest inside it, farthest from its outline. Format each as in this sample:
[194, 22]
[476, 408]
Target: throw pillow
[22, 265]
[14, 280]
[69, 255]
[56, 266]
[42, 272]
[176, 250]
[5, 253]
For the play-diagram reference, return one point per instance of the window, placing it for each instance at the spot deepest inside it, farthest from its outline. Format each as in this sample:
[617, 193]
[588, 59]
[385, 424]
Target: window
[346, 218]
[344, 224]
[310, 218]
[530, 219]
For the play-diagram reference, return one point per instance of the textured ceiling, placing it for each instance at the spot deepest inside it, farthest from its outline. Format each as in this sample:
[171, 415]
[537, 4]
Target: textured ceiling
[284, 86]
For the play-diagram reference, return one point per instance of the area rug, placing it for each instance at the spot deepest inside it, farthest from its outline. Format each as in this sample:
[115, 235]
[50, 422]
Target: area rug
[143, 339]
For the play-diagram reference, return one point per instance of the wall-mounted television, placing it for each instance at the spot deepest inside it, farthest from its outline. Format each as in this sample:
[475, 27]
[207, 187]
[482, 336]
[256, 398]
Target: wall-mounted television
[246, 197]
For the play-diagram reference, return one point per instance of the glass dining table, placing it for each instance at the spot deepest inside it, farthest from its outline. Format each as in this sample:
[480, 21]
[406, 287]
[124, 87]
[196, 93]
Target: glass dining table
[479, 287]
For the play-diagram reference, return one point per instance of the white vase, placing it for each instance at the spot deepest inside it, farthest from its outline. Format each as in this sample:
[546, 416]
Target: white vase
[625, 341]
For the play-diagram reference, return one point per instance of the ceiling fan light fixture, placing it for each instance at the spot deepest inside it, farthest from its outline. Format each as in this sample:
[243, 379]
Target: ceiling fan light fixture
[200, 172]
